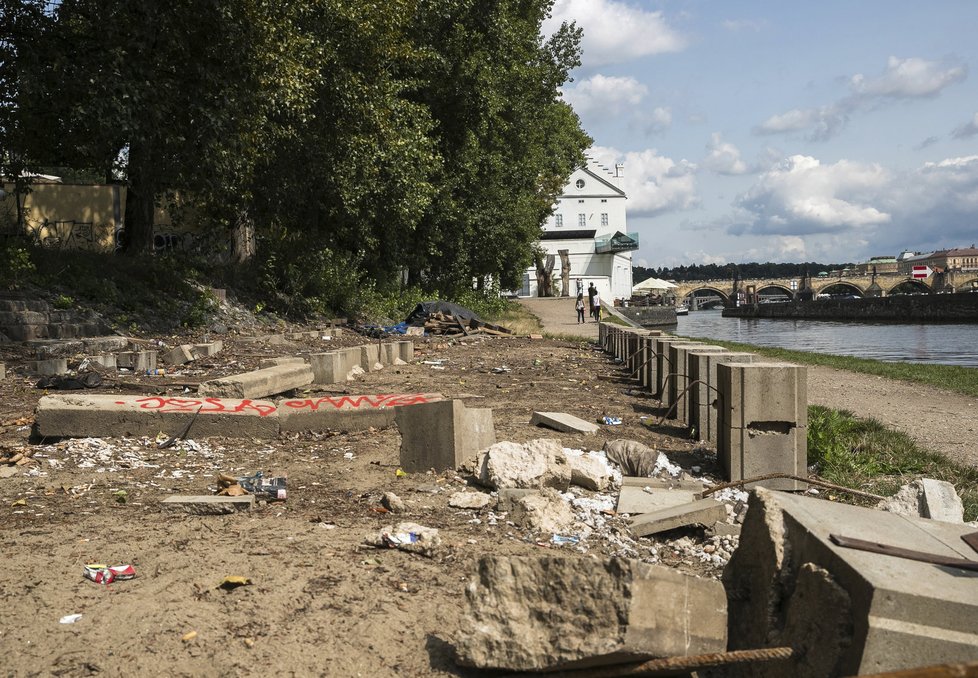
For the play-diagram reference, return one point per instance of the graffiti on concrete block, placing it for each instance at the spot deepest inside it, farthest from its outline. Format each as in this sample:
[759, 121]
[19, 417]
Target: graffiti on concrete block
[360, 402]
[205, 405]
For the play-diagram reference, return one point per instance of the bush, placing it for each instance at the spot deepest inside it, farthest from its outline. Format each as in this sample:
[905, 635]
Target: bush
[16, 266]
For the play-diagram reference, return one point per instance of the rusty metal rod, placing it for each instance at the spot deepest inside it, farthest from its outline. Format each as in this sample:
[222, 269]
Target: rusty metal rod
[810, 481]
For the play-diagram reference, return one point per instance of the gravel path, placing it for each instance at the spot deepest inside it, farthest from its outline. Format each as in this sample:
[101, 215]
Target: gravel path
[938, 420]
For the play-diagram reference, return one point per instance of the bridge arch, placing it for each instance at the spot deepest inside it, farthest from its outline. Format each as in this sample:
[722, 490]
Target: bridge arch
[707, 288]
[840, 285]
[967, 285]
[907, 284]
[775, 286]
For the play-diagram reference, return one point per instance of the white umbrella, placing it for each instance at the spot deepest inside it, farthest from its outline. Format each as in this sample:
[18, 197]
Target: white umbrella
[652, 285]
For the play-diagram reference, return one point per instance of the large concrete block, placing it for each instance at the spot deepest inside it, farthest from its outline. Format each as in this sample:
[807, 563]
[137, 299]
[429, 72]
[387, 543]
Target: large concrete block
[83, 416]
[683, 382]
[275, 362]
[700, 512]
[50, 367]
[352, 357]
[530, 613]
[751, 452]
[390, 354]
[137, 361]
[370, 358]
[179, 355]
[763, 392]
[663, 364]
[704, 397]
[328, 368]
[107, 361]
[208, 349]
[847, 612]
[260, 383]
[347, 412]
[675, 381]
[406, 350]
[561, 421]
[442, 435]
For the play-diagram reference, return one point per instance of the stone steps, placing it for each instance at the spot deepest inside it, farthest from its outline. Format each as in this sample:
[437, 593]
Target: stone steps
[25, 318]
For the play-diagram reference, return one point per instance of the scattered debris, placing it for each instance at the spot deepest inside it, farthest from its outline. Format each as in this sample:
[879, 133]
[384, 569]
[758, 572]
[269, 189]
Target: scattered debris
[69, 618]
[469, 500]
[106, 574]
[393, 503]
[409, 537]
[536, 464]
[234, 581]
[637, 459]
[926, 498]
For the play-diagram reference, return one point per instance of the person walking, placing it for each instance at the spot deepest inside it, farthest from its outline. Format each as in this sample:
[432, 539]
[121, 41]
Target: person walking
[580, 307]
[591, 291]
[597, 306]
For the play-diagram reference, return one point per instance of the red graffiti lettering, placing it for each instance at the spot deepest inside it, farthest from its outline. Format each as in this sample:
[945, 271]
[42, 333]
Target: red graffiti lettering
[358, 402]
[205, 405]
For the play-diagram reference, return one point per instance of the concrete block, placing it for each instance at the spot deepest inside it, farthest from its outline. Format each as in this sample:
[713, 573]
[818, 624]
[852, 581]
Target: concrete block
[370, 358]
[389, 355]
[700, 512]
[677, 378]
[348, 412]
[684, 356]
[260, 383]
[3, 371]
[107, 361]
[329, 368]
[763, 391]
[83, 416]
[509, 495]
[406, 350]
[51, 366]
[589, 471]
[352, 357]
[108, 344]
[208, 349]
[704, 398]
[848, 612]
[442, 435]
[762, 422]
[561, 421]
[207, 504]
[276, 362]
[179, 355]
[926, 498]
[646, 364]
[669, 483]
[632, 499]
[137, 361]
[535, 465]
[663, 364]
[527, 613]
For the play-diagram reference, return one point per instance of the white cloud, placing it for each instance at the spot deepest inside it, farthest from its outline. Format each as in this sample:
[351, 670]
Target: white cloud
[968, 129]
[605, 94]
[908, 78]
[911, 78]
[723, 157]
[656, 121]
[802, 196]
[615, 32]
[654, 184]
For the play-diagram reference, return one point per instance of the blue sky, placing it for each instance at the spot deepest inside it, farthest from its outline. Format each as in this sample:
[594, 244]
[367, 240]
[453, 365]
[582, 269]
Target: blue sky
[783, 131]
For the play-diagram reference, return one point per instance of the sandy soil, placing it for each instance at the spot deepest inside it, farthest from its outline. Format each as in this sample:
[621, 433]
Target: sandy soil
[320, 602]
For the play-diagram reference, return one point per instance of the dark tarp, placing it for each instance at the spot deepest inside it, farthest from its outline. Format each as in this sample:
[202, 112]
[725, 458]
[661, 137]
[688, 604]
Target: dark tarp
[421, 312]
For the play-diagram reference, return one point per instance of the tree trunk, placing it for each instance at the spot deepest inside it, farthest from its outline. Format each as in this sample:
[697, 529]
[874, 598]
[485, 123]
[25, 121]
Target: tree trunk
[140, 202]
[565, 271]
[243, 244]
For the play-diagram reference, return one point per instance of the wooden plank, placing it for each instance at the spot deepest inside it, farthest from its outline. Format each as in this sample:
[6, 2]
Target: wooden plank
[971, 539]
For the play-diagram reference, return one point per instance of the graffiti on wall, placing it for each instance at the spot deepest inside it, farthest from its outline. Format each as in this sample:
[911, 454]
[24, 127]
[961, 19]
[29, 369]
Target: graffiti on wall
[361, 402]
[205, 405]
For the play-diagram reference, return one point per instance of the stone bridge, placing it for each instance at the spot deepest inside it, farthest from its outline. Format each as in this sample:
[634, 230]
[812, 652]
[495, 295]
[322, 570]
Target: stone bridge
[953, 281]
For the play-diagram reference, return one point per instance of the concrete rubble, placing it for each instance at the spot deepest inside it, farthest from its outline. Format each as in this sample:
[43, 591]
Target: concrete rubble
[533, 614]
[544, 511]
[561, 421]
[406, 536]
[469, 500]
[926, 498]
[260, 383]
[537, 464]
[208, 504]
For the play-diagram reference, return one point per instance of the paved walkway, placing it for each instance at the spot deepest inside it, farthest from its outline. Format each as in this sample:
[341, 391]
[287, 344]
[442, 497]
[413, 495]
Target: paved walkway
[557, 315]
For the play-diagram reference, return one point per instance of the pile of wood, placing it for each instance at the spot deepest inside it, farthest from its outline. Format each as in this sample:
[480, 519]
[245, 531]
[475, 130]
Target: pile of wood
[450, 326]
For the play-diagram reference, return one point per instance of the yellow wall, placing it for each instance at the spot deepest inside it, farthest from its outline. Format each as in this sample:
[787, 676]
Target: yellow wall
[59, 215]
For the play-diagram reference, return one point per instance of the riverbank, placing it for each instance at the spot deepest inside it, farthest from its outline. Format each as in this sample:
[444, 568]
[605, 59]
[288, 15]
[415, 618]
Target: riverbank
[952, 308]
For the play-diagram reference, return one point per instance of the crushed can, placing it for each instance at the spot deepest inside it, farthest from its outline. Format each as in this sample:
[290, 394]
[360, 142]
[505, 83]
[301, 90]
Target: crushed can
[105, 574]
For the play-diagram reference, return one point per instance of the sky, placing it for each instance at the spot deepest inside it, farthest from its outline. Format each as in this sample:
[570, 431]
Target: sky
[781, 131]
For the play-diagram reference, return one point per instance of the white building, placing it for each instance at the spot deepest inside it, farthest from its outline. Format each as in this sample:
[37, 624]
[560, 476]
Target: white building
[589, 221]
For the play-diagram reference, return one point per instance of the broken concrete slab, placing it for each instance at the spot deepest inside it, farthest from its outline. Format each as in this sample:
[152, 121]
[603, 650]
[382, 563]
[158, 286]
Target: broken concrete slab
[544, 511]
[260, 383]
[848, 612]
[537, 613]
[509, 495]
[442, 435]
[50, 367]
[704, 512]
[469, 500]
[208, 504]
[926, 498]
[137, 361]
[285, 360]
[672, 483]
[563, 422]
[208, 349]
[589, 471]
[179, 355]
[533, 465]
[84, 416]
[653, 496]
[347, 412]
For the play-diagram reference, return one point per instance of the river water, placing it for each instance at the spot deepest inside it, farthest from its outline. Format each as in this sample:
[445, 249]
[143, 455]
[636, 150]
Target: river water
[946, 344]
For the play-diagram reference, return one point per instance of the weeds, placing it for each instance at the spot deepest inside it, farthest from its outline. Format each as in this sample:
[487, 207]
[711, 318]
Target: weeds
[864, 454]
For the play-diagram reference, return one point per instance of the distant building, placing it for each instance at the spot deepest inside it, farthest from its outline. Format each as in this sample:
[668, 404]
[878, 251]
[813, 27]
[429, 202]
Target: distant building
[879, 264]
[589, 221]
[955, 259]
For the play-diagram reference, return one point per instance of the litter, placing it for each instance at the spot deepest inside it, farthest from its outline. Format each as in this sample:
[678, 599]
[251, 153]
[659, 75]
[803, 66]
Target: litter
[105, 574]
[69, 619]
[273, 488]
[500, 370]
[611, 421]
[562, 539]
[233, 582]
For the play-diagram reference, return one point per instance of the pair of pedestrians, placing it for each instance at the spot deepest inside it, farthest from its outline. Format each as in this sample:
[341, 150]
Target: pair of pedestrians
[594, 304]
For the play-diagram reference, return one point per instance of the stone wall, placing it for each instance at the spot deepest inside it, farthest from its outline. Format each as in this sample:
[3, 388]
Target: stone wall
[650, 316]
[928, 307]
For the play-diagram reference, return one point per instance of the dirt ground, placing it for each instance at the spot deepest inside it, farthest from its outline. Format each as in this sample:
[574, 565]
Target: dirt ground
[320, 602]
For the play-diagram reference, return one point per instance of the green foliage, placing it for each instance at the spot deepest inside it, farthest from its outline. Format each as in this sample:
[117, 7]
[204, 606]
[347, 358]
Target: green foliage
[864, 454]
[16, 264]
[730, 271]
[63, 301]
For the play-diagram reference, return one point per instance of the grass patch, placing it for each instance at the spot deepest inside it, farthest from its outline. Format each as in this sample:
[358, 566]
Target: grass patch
[517, 318]
[865, 455]
[614, 320]
[954, 378]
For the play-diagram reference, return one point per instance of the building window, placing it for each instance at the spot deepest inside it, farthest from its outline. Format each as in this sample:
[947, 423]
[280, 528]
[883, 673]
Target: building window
[579, 183]
[558, 220]
[580, 202]
[604, 218]
[582, 220]
[604, 200]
